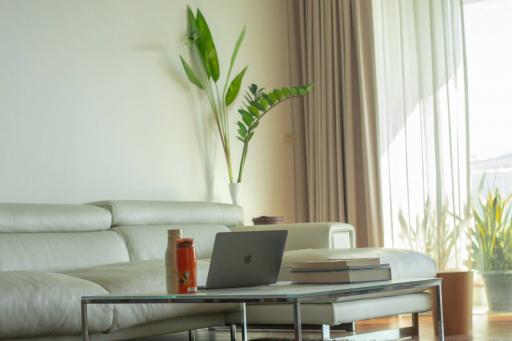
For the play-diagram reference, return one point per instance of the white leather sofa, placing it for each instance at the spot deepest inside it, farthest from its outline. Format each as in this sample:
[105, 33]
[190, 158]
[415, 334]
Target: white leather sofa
[51, 255]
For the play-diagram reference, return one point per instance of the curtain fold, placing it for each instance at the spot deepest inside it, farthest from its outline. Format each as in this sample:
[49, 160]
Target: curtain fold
[335, 127]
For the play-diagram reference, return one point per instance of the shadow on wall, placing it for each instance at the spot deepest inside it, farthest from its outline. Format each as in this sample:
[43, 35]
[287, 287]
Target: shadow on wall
[204, 123]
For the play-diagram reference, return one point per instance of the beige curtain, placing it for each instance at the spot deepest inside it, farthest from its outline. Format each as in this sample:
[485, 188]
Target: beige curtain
[336, 161]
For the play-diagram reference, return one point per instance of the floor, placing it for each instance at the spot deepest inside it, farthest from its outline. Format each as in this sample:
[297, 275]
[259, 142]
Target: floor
[496, 327]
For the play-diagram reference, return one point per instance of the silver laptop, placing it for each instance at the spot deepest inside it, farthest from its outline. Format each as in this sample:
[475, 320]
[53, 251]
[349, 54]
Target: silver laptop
[242, 259]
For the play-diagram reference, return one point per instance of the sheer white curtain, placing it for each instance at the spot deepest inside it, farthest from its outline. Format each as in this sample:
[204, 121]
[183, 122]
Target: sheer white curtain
[423, 125]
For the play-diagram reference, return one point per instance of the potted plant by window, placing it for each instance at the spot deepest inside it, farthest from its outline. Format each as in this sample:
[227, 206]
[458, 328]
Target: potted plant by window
[433, 233]
[491, 248]
[436, 232]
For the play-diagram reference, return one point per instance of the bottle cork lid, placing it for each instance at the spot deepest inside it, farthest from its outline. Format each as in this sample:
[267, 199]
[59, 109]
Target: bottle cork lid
[175, 233]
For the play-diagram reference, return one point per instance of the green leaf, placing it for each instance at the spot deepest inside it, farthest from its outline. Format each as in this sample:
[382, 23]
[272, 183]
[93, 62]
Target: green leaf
[206, 47]
[191, 74]
[301, 91]
[253, 89]
[191, 25]
[242, 133]
[234, 87]
[242, 127]
[294, 91]
[237, 47]
[270, 98]
[258, 105]
[278, 94]
[244, 112]
[285, 92]
[248, 119]
[263, 103]
[253, 110]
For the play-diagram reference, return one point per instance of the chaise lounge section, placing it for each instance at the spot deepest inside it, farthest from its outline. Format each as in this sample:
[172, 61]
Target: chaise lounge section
[51, 255]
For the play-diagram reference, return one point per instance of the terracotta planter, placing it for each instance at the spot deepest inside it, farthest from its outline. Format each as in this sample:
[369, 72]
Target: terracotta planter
[457, 302]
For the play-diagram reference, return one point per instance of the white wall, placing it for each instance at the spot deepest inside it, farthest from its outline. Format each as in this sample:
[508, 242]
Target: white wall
[94, 105]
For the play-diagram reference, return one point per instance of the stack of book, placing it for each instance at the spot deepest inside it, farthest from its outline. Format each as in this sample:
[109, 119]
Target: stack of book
[353, 270]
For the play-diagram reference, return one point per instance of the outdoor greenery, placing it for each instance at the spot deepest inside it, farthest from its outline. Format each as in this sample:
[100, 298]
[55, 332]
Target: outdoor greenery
[204, 72]
[491, 238]
[435, 233]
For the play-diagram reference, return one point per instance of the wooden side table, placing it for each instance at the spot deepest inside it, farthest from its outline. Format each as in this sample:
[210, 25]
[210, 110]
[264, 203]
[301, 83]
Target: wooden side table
[457, 302]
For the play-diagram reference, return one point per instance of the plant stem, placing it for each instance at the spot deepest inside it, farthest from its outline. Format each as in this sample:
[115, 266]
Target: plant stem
[225, 135]
[242, 160]
[218, 109]
[226, 83]
[227, 153]
[216, 114]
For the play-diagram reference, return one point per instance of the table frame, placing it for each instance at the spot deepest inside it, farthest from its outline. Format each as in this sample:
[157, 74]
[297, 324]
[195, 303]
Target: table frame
[392, 289]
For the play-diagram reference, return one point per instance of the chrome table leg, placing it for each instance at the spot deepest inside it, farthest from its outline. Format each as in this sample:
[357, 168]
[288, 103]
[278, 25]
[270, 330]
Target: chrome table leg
[439, 306]
[85, 329]
[297, 320]
[243, 321]
[232, 330]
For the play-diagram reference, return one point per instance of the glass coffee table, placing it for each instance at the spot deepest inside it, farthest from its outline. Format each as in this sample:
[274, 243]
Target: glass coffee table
[281, 292]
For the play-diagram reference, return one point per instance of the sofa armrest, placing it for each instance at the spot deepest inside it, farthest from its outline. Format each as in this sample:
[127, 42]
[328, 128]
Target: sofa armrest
[311, 235]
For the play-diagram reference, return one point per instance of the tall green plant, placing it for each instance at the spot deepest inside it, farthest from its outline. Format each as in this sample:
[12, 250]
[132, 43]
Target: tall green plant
[432, 233]
[491, 238]
[257, 104]
[204, 72]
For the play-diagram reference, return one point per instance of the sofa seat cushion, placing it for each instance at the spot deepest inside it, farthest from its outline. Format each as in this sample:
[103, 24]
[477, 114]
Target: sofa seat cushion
[336, 312]
[34, 303]
[145, 276]
[404, 263]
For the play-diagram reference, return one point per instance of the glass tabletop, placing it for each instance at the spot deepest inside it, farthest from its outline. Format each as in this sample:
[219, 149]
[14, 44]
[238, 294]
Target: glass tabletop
[281, 291]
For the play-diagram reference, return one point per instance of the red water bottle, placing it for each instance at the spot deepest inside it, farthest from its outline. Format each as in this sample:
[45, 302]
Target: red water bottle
[186, 266]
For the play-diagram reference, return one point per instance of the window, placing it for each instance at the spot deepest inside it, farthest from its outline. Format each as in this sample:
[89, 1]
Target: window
[488, 26]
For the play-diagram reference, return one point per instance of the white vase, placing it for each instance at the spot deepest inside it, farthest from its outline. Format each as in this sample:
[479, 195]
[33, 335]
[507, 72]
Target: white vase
[234, 189]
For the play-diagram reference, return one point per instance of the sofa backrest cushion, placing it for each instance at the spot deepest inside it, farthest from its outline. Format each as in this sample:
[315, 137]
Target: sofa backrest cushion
[60, 251]
[131, 212]
[53, 218]
[144, 224]
[52, 237]
[150, 242]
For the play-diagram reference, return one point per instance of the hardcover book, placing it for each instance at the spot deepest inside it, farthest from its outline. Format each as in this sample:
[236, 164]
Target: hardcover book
[341, 276]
